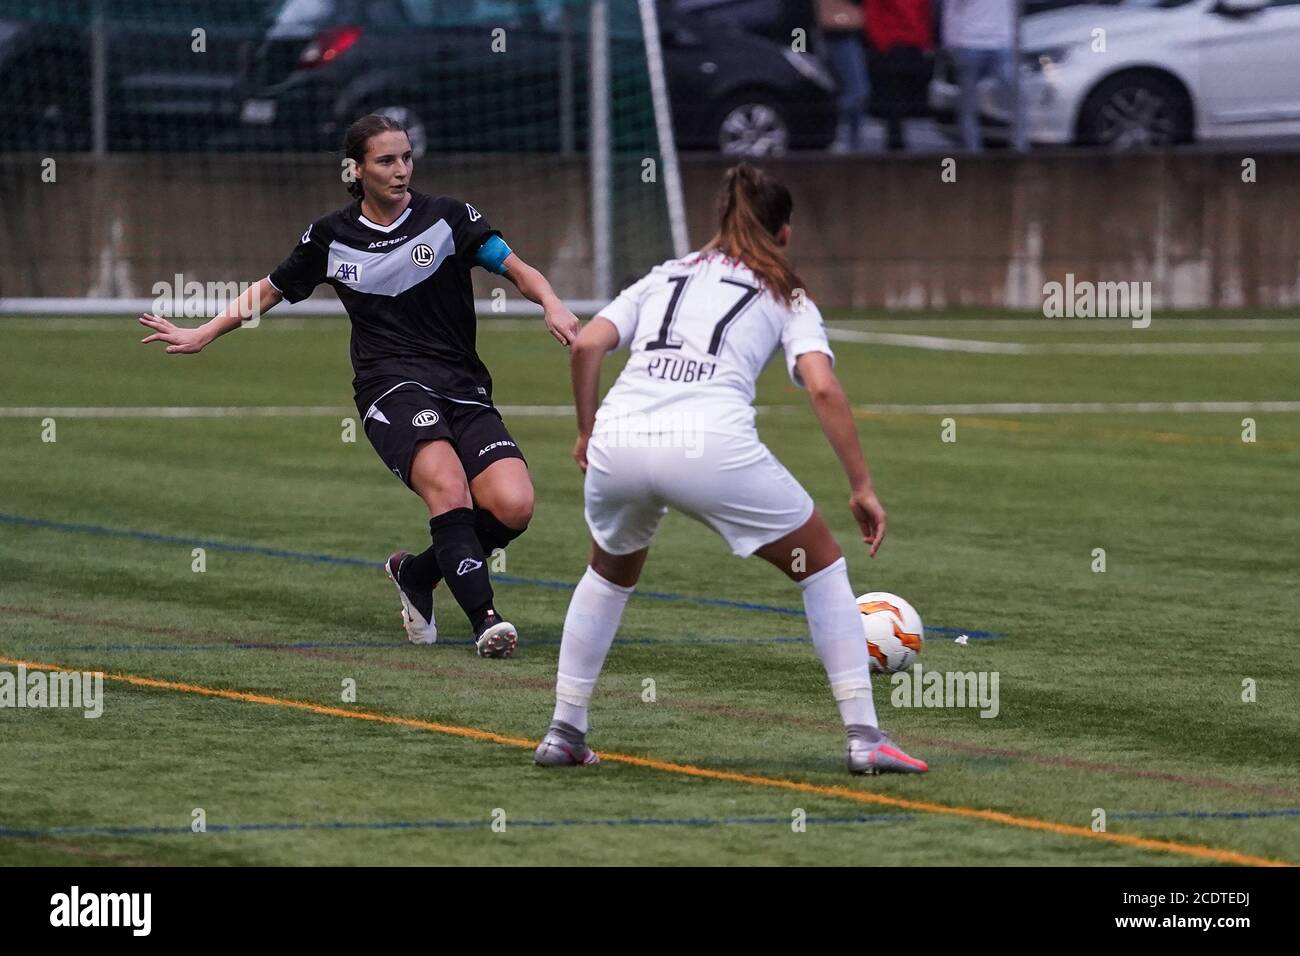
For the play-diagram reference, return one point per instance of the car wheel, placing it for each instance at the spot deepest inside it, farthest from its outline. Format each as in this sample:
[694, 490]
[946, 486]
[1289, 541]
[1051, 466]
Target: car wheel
[416, 131]
[1136, 111]
[753, 125]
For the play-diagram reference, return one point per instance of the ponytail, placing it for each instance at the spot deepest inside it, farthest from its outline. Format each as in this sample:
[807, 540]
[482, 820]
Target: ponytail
[752, 208]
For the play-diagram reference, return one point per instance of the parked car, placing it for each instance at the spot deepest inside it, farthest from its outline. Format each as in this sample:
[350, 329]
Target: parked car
[775, 19]
[165, 89]
[1159, 72]
[738, 86]
[322, 63]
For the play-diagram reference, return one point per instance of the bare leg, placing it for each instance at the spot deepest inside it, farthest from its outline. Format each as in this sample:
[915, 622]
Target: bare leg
[805, 551]
[505, 489]
[438, 478]
[621, 569]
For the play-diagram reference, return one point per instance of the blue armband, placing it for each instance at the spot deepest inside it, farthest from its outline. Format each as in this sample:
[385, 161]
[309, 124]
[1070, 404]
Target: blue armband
[492, 255]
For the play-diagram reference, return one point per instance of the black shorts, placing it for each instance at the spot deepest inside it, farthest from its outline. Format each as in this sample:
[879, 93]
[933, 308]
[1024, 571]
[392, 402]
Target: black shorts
[408, 414]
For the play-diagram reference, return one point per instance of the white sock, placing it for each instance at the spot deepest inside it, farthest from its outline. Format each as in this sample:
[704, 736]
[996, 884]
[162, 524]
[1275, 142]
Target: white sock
[589, 627]
[836, 625]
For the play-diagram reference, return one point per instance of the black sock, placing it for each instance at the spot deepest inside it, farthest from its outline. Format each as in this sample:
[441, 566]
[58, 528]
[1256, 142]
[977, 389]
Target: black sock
[462, 562]
[492, 534]
[422, 570]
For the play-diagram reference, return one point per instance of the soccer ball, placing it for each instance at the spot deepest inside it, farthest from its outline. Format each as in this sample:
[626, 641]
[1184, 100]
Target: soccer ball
[893, 629]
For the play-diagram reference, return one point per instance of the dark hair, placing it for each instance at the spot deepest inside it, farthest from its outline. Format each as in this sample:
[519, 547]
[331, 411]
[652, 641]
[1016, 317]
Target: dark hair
[357, 138]
[752, 208]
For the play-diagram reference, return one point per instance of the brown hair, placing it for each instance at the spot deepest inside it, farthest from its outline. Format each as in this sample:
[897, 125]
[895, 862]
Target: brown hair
[357, 139]
[752, 208]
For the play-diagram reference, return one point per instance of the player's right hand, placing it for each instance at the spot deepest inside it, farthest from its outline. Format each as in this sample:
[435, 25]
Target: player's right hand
[177, 338]
[869, 513]
[580, 452]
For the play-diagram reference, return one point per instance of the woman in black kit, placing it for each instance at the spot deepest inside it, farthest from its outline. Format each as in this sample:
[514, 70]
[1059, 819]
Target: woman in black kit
[400, 263]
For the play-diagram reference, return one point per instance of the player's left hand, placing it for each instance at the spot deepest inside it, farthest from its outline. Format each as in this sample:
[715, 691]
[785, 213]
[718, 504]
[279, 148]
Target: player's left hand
[869, 513]
[563, 324]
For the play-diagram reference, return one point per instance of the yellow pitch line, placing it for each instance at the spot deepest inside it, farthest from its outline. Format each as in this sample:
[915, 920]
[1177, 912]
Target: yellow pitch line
[1212, 854]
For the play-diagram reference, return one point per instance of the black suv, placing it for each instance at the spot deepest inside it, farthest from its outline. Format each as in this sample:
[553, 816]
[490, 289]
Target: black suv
[433, 65]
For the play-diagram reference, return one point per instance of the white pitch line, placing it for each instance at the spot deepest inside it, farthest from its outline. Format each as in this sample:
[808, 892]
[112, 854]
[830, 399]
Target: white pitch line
[269, 323]
[943, 344]
[931, 342]
[177, 411]
[1165, 348]
[1084, 408]
[564, 411]
[952, 325]
[838, 330]
[316, 305]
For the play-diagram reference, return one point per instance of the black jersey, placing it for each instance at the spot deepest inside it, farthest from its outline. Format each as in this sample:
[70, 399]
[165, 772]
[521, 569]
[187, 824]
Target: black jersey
[406, 288]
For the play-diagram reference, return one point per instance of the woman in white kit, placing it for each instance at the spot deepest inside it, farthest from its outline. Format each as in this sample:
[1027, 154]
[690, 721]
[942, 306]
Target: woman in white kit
[677, 431]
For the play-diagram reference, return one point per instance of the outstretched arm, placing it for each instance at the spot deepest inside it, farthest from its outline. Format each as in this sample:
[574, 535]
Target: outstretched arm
[255, 300]
[831, 406]
[562, 323]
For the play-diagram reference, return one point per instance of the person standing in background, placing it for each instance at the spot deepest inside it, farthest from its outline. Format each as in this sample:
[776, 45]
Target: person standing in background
[900, 45]
[841, 24]
[980, 37]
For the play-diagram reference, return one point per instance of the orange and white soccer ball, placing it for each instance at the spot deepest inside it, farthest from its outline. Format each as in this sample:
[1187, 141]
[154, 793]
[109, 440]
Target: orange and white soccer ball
[893, 629]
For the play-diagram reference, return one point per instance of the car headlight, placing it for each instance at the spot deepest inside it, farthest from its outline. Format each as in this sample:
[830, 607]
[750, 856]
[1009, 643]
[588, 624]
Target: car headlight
[1045, 59]
[809, 67]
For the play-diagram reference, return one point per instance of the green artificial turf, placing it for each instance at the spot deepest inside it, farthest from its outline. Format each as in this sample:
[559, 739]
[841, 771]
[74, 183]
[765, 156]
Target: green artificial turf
[1119, 691]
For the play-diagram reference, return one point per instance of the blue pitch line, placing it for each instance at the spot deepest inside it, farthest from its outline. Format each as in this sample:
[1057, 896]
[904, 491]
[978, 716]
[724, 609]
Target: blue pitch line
[121, 831]
[1205, 814]
[364, 563]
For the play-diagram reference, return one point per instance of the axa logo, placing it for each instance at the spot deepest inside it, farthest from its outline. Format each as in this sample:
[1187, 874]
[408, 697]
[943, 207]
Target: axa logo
[466, 566]
[474, 214]
[426, 417]
[422, 255]
[349, 272]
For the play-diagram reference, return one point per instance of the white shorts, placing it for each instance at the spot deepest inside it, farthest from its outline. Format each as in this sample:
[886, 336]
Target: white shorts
[732, 484]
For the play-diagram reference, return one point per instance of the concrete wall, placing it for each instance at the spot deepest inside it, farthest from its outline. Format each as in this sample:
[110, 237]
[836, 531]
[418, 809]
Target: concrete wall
[869, 231]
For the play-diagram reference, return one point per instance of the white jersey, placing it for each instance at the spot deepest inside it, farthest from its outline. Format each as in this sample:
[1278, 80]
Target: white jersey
[701, 330]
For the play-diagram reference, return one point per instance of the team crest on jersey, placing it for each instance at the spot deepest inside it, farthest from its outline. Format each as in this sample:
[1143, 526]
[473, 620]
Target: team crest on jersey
[474, 214]
[349, 272]
[422, 255]
[426, 417]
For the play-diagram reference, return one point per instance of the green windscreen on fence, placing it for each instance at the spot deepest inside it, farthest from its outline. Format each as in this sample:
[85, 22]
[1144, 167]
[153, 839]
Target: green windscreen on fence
[201, 137]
